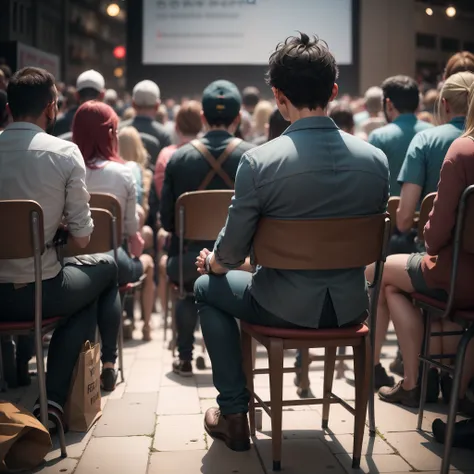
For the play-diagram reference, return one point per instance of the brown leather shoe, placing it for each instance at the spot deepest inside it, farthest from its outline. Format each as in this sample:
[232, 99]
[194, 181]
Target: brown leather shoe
[232, 429]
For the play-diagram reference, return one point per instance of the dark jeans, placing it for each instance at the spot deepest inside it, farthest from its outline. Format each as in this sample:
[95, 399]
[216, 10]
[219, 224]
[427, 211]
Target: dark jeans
[83, 295]
[186, 311]
[221, 299]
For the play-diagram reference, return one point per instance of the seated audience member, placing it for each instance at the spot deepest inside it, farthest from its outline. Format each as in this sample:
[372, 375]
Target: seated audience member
[187, 171]
[291, 177]
[250, 99]
[131, 150]
[427, 117]
[429, 274]
[430, 101]
[37, 166]
[111, 98]
[373, 101]
[128, 114]
[419, 175]
[95, 132]
[188, 127]
[401, 98]
[343, 118]
[459, 62]
[90, 85]
[4, 114]
[277, 125]
[261, 118]
[146, 102]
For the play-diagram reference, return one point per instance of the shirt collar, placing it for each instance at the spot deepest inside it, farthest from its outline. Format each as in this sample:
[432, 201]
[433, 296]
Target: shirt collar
[24, 126]
[404, 118]
[311, 123]
[458, 121]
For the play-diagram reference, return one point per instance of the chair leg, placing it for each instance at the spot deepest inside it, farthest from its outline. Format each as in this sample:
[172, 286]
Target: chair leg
[275, 359]
[3, 383]
[425, 351]
[247, 343]
[453, 404]
[174, 336]
[43, 397]
[254, 353]
[120, 350]
[303, 389]
[329, 364]
[362, 375]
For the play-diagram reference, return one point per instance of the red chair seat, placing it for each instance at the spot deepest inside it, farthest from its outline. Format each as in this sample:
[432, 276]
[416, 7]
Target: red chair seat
[25, 326]
[350, 332]
[467, 315]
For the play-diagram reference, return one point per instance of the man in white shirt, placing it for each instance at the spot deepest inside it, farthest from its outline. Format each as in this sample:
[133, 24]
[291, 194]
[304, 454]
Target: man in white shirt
[51, 171]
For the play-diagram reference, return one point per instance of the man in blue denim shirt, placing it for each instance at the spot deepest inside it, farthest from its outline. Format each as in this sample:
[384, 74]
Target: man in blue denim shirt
[314, 170]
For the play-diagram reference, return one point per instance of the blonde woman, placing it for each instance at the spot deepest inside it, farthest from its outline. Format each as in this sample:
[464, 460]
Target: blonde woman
[429, 273]
[261, 120]
[132, 150]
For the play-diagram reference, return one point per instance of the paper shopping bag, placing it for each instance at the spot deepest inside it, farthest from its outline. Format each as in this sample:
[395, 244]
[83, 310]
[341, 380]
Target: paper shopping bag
[83, 407]
[24, 441]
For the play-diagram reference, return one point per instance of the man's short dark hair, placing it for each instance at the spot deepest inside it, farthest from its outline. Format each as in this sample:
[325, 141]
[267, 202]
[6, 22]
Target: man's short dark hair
[88, 93]
[30, 90]
[250, 96]
[403, 92]
[304, 70]
[343, 117]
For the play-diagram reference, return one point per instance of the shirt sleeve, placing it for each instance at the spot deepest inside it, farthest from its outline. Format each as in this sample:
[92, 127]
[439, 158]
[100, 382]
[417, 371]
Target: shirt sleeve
[76, 209]
[438, 231]
[374, 140]
[168, 199]
[160, 171]
[414, 166]
[235, 240]
[130, 224]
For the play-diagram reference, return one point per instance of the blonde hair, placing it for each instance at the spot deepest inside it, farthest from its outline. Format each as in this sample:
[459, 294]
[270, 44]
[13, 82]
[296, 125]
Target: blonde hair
[456, 92]
[470, 115]
[131, 147]
[129, 113]
[261, 115]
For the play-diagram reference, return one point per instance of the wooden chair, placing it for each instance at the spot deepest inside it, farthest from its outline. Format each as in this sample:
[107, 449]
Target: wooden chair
[193, 224]
[432, 308]
[392, 207]
[23, 237]
[425, 209]
[323, 244]
[111, 203]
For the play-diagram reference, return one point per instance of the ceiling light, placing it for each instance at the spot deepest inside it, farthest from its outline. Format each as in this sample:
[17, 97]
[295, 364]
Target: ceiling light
[113, 9]
[429, 11]
[451, 12]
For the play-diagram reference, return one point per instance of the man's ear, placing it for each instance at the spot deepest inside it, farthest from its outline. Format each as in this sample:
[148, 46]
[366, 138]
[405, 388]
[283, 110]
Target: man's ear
[334, 93]
[101, 95]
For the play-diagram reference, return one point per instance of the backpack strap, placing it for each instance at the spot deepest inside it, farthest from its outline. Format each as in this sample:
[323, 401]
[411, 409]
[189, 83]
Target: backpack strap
[216, 165]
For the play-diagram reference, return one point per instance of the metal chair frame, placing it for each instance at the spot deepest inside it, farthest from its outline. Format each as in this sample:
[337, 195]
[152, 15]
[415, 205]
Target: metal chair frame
[429, 312]
[40, 329]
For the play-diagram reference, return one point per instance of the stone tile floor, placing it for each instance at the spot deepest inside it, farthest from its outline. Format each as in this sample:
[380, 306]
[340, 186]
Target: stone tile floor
[152, 424]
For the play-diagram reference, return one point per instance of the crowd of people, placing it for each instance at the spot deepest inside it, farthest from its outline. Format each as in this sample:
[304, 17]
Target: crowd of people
[284, 158]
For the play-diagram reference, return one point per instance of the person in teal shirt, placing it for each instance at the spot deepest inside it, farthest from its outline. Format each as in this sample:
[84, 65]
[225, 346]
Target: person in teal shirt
[401, 98]
[419, 175]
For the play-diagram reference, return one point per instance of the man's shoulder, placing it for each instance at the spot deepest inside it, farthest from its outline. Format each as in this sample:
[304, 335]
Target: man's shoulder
[125, 123]
[423, 126]
[383, 133]
[245, 146]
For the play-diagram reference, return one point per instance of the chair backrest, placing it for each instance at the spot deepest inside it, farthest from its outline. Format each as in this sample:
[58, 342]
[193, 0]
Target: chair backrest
[425, 210]
[201, 215]
[102, 238]
[21, 220]
[321, 244]
[111, 204]
[392, 207]
[466, 214]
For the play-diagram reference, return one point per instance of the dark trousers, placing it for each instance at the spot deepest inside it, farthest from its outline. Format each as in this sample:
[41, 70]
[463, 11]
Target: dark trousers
[221, 299]
[83, 295]
[186, 311]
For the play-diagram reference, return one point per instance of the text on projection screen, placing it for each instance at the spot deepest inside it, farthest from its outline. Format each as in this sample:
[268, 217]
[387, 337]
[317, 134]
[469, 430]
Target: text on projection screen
[241, 32]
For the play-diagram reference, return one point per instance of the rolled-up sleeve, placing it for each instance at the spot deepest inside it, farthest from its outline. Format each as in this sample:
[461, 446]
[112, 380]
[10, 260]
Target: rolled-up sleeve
[76, 209]
[235, 240]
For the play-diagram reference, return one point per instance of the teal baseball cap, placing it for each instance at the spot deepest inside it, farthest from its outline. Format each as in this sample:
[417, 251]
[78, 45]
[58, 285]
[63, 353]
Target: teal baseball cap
[221, 100]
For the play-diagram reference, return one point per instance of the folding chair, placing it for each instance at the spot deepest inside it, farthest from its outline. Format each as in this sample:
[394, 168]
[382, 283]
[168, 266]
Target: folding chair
[425, 209]
[431, 308]
[192, 225]
[23, 237]
[111, 203]
[323, 244]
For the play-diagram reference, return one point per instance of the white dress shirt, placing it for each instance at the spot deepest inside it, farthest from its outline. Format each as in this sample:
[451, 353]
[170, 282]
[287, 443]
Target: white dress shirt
[50, 171]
